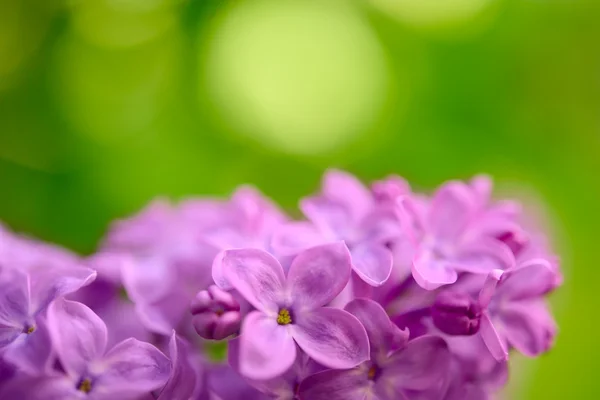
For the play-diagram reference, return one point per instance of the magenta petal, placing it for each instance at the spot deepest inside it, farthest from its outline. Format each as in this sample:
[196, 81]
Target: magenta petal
[420, 365]
[451, 210]
[332, 337]
[489, 287]
[372, 262]
[530, 279]
[318, 274]
[383, 335]
[331, 218]
[346, 189]
[483, 255]
[529, 327]
[182, 382]
[257, 275]
[218, 274]
[431, 273]
[351, 384]
[132, 367]
[267, 349]
[79, 336]
[495, 344]
[291, 238]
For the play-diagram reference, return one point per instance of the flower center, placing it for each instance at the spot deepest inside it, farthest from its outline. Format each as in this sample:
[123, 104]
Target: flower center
[284, 317]
[372, 373]
[85, 386]
[29, 329]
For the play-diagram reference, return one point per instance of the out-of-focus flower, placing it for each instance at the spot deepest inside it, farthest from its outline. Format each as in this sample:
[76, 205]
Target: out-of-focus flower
[346, 210]
[450, 239]
[397, 369]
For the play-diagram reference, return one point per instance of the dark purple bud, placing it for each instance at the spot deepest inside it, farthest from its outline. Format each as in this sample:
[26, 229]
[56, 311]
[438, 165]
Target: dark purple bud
[456, 313]
[216, 314]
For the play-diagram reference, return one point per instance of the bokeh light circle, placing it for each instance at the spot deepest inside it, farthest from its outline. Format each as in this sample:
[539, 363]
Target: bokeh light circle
[436, 14]
[302, 77]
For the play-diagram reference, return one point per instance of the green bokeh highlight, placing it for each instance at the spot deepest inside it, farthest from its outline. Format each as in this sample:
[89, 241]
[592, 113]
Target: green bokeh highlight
[102, 109]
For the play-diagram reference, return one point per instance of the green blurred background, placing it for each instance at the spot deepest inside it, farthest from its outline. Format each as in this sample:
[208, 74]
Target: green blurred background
[105, 104]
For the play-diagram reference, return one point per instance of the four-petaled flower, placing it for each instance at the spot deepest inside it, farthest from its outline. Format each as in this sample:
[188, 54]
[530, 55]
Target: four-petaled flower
[291, 310]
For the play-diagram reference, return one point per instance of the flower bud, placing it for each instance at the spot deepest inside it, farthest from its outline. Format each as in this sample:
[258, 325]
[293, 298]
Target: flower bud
[216, 314]
[456, 313]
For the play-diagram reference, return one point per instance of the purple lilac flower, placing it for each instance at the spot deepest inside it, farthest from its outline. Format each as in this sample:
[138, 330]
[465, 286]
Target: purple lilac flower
[290, 310]
[397, 369]
[106, 297]
[127, 371]
[348, 211]
[169, 263]
[450, 239]
[24, 298]
[248, 220]
[515, 312]
[216, 314]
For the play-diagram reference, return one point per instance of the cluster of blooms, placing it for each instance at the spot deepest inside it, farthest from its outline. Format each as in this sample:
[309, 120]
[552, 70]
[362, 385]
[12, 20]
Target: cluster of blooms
[379, 293]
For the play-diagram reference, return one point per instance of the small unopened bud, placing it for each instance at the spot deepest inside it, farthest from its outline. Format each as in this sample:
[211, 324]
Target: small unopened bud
[456, 313]
[216, 314]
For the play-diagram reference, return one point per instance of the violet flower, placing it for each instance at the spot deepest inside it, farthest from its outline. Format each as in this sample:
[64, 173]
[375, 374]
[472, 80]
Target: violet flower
[127, 371]
[248, 220]
[24, 298]
[168, 263]
[290, 310]
[348, 211]
[397, 369]
[515, 313]
[449, 239]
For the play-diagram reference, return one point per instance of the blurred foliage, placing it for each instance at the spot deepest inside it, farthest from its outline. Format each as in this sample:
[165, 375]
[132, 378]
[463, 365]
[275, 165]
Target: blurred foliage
[106, 104]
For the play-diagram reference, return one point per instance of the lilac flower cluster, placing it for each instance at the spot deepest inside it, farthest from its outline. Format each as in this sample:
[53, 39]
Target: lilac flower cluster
[377, 293]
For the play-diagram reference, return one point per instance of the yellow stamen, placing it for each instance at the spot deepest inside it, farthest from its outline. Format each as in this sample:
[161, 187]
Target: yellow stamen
[30, 329]
[284, 317]
[85, 386]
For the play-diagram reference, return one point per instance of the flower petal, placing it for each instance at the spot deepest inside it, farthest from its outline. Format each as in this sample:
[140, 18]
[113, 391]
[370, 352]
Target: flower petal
[133, 367]
[182, 381]
[420, 365]
[383, 335]
[451, 210]
[257, 275]
[489, 287]
[332, 337]
[14, 304]
[372, 262]
[346, 189]
[267, 349]
[533, 278]
[78, 335]
[431, 273]
[483, 255]
[495, 344]
[31, 353]
[529, 327]
[318, 274]
[292, 238]
[334, 384]
[331, 218]
[48, 284]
